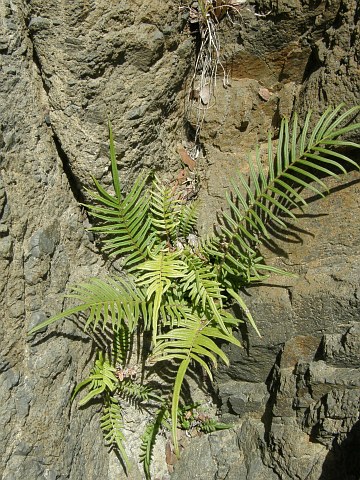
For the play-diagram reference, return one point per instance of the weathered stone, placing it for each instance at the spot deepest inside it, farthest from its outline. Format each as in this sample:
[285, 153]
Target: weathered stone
[64, 71]
[343, 350]
[43, 241]
[313, 418]
[242, 397]
[232, 454]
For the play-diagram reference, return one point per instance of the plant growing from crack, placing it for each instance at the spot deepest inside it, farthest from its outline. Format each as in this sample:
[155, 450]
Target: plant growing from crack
[207, 16]
[176, 289]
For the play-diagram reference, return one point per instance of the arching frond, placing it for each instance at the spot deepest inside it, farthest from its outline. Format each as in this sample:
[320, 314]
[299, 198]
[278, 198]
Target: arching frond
[114, 301]
[193, 341]
[273, 191]
[125, 219]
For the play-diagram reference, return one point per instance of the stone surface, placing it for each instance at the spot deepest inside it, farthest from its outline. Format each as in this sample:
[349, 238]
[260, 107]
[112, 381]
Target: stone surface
[40, 436]
[65, 68]
[315, 411]
[305, 424]
[230, 454]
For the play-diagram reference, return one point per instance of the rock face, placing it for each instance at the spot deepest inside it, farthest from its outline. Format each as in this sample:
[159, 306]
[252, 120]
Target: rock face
[64, 69]
[68, 66]
[304, 426]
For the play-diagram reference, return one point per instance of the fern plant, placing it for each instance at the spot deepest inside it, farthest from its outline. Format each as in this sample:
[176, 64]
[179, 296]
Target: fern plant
[177, 287]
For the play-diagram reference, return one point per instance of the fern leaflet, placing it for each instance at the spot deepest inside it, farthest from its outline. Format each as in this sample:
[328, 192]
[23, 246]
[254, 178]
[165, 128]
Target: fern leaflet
[203, 288]
[101, 379]
[112, 426]
[164, 209]
[161, 269]
[187, 219]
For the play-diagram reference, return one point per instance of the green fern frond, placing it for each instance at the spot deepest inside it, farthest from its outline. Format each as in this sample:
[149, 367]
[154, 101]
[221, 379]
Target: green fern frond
[161, 270]
[124, 221]
[124, 218]
[187, 219]
[101, 379]
[148, 439]
[112, 427]
[273, 192]
[165, 209]
[204, 290]
[115, 301]
[193, 341]
[181, 285]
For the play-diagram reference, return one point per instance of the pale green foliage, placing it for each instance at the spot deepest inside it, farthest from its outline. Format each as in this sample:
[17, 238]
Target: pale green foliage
[101, 379]
[149, 437]
[112, 425]
[160, 271]
[178, 287]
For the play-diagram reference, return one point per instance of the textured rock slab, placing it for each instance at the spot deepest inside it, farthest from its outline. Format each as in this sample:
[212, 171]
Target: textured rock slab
[232, 454]
[314, 416]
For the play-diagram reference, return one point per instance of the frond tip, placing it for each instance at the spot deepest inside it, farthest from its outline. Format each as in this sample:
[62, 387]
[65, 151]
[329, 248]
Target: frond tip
[193, 341]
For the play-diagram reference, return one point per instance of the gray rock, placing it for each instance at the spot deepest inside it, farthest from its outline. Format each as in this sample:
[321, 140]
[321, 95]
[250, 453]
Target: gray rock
[6, 246]
[234, 454]
[36, 24]
[242, 397]
[197, 460]
[44, 241]
[343, 349]
[63, 73]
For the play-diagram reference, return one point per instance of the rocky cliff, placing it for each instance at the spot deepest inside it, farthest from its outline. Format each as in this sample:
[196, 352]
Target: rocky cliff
[68, 66]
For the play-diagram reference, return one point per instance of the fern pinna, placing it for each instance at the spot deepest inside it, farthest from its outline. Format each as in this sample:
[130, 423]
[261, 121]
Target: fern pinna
[179, 287]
